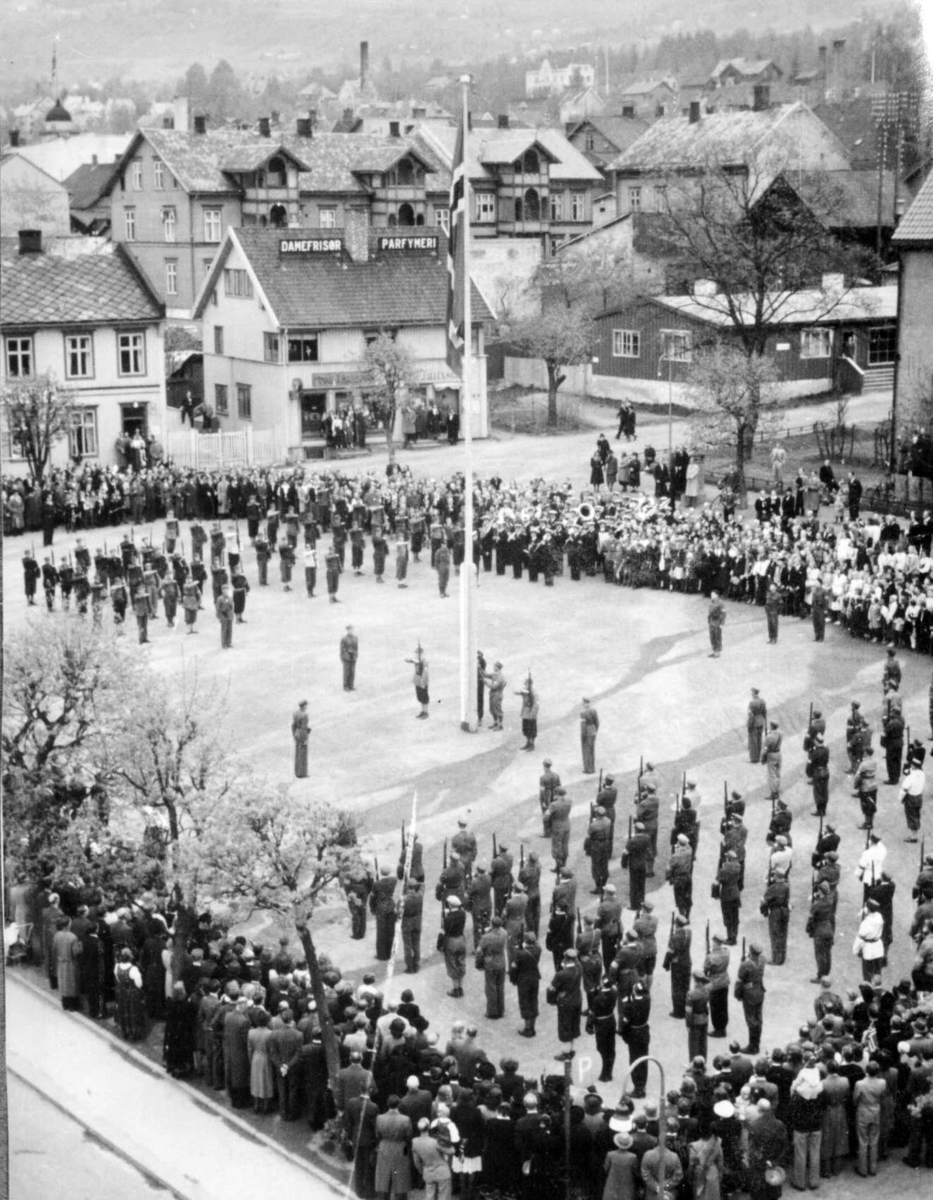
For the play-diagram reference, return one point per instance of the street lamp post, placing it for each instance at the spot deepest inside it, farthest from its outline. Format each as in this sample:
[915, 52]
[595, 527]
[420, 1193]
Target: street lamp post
[668, 358]
[662, 1115]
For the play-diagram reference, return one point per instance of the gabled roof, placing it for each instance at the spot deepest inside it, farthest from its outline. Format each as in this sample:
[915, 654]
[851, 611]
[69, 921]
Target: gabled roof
[801, 308]
[335, 159]
[643, 87]
[916, 228]
[93, 289]
[854, 125]
[621, 132]
[88, 185]
[331, 290]
[10, 155]
[673, 142]
[851, 195]
[497, 146]
[744, 66]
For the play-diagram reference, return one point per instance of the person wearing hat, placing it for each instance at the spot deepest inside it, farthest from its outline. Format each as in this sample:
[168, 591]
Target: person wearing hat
[696, 1015]
[716, 969]
[774, 602]
[490, 958]
[478, 902]
[818, 773]
[597, 845]
[781, 821]
[775, 905]
[715, 620]
[621, 1169]
[464, 843]
[646, 811]
[500, 870]
[358, 885]
[589, 727]
[635, 857]
[349, 653]
[750, 990]
[771, 758]
[825, 845]
[606, 798]
[452, 942]
[529, 714]
[892, 739]
[452, 880]
[514, 917]
[608, 924]
[412, 912]
[547, 787]
[735, 838]
[525, 976]
[635, 1031]
[755, 724]
[495, 682]
[557, 827]
[868, 944]
[645, 926]
[680, 874]
[601, 1022]
[301, 730]
[566, 993]
[728, 882]
[911, 798]
[858, 736]
[382, 906]
[677, 961]
[529, 876]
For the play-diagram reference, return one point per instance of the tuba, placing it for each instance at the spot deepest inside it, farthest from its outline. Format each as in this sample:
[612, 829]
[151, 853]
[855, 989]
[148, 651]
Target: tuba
[585, 511]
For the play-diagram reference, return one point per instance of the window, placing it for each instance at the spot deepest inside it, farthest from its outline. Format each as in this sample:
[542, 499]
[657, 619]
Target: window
[626, 343]
[129, 224]
[485, 206]
[442, 219]
[578, 206]
[589, 140]
[136, 175]
[168, 224]
[171, 277]
[303, 348]
[237, 282]
[244, 401]
[882, 345]
[206, 264]
[556, 243]
[816, 343]
[327, 217]
[678, 344]
[79, 356]
[131, 350]
[221, 399]
[271, 346]
[660, 197]
[530, 164]
[158, 175]
[18, 357]
[557, 206]
[634, 199]
[82, 436]
[218, 339]
[213, 224]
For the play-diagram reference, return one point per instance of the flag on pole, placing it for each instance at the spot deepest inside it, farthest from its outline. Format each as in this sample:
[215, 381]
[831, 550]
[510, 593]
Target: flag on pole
[456, 265]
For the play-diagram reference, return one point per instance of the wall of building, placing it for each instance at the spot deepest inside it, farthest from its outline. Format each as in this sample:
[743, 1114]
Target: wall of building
[31, 199]
[915, 346]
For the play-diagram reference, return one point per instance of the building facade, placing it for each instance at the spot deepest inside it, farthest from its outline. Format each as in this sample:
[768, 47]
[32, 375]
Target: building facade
[913, 240]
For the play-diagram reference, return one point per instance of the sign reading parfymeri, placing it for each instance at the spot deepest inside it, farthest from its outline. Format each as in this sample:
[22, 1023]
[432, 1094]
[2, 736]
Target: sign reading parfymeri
[310, 245]
[408, 241]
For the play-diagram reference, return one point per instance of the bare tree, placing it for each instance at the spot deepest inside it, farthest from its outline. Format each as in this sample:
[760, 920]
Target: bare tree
[38, 414]
[393, 367]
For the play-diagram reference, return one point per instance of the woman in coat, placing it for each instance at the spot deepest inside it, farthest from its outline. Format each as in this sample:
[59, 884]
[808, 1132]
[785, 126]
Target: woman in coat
[179, 1035]
[706, 1165]
[834, 1144]
[261, 1082]
[393, 1162]
[236, 1029]
[66, 950]
[131, 1013]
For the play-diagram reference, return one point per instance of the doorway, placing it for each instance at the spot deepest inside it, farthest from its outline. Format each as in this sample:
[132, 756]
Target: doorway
[135, 419]
[313, 407]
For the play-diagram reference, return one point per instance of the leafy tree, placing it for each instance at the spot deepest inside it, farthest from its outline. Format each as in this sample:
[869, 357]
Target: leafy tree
[393, 367]
[195, 84]
[224, 96]
[38, 414]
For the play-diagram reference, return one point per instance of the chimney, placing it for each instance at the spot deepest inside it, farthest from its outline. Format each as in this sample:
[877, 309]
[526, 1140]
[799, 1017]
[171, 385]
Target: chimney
[303, 127]
[30, 241]
[276, 117]
[14, 138]
[265, 127]
[364, 65]
[694, 112]
[418, 113]
[200, 123]
[762, 100]
[181, 114]
[394, 129]
[821, 55]
[503, 121]
[356, 234]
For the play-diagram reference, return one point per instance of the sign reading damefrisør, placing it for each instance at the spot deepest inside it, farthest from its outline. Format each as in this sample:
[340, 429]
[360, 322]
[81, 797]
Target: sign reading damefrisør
[315, 245]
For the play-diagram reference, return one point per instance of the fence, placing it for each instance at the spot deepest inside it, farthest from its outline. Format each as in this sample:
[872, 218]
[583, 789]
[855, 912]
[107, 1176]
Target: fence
[231, 448]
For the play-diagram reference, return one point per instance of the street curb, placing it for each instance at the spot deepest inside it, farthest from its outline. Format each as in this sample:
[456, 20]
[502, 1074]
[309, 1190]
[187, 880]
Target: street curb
[194, 1094]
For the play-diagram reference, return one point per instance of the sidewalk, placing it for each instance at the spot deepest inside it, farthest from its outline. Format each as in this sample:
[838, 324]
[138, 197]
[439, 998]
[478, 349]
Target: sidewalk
[185, 1142]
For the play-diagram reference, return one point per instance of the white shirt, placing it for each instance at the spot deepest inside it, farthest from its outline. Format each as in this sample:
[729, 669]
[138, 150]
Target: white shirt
[868, 941]
[913, 783]
[871, 863]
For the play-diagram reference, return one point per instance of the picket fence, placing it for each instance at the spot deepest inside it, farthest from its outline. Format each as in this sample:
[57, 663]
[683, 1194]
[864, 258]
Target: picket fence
[230, 448]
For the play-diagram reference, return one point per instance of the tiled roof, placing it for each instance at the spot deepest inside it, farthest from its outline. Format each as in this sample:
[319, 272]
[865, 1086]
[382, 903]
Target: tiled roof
[674, 142]
[86, 186]
[854, 125]
[852, 196]
[43, 289]
[502, 145]
[644, 87]
[327, 291]
[917, 224]
[620, 131]
[332, 159]
[744, 66]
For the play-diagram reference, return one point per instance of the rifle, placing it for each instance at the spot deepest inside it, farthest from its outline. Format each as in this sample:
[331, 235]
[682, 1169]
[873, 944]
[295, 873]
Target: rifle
[521, 856]
[445, 854]
[820, 834]
[867, 844]
[809, 722]
[672, 930]
[495, 848]
[404, 842]
[630, 825]
[52, 552]
[443, 912]
[707, 936]
[579, 922]
[725, 798]
[923, 846]
[743, 949]
[376, 863]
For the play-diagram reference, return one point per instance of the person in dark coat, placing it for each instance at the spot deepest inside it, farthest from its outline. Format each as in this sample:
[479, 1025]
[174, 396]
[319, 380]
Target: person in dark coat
[284, 1049]
[179, 1035]
[382, 906]
[566, 992]
[359, 1126]
[525, 974]
[317, 1098]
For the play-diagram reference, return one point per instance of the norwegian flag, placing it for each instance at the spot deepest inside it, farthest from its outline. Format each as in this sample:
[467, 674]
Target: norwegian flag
[456, 258]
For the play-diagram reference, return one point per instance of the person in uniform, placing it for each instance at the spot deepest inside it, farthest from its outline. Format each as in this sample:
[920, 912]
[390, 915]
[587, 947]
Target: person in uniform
[478, 902]
[589, 727]
[442, 566]
[750, 990]
[911, 798]
[892, 739]
[696, 1016]
[464, 844]
[191, 603]
[263, 554]
[420, 678]
[401, 560]
[310, 567]
[382, 906]
[513, 918]
[677, 960]
[635, 1031]
[566, 993]
[502, 878]
[529, 876]
[224, 609]
[525, 974]
[529, 716]
[756, 722]
[608, 924]
[598, 847]
[774, 602]
[635, 857]
[32, 573]
[141, 612]
[716, 969]
[715, 619]
[169, 593]
[349, 653]
[547, 785]
[775, 905]
[332, 569]
[490, 959]
[452, 880]
[557, 827]
[821, 927]
[680, 874]
[855, 737]
[412, 911]
[301, 730]
[453, 944]
[771, 758]
[601, 1021]
[358, 885]
[818, 773]
[646, 811]
[866, 787]
[496, 684]
[730, 895]
[286, 563]
[608, 795]
[819, 605]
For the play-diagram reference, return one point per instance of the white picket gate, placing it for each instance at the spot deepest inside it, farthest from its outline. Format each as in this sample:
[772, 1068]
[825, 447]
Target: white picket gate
[229, 448]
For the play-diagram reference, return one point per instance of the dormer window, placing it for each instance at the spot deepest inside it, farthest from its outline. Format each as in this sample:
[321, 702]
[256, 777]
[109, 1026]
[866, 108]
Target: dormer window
[530, 163]
[406, 173]
[276, 172]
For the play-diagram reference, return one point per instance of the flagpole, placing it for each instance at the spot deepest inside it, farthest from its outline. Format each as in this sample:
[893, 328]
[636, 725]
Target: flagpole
[468, 715]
